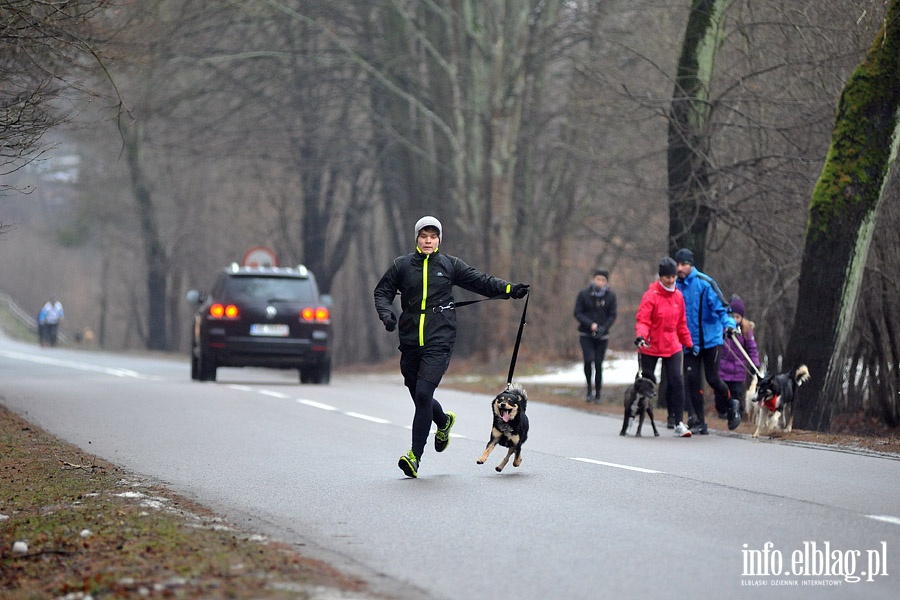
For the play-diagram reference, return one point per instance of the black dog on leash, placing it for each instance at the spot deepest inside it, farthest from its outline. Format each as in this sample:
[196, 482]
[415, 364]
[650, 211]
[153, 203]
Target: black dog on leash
[510, 426]
[639, 400]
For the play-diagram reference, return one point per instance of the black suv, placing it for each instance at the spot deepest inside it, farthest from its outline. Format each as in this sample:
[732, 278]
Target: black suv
[262, 317]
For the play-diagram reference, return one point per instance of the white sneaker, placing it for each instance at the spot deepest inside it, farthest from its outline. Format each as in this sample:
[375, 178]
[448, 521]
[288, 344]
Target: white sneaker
[681, 430]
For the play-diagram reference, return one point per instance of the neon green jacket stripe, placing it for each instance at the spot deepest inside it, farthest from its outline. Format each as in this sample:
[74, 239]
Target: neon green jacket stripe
[424, 299]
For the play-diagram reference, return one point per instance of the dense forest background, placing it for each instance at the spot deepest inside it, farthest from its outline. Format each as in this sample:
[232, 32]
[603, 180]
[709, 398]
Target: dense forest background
[172, 136]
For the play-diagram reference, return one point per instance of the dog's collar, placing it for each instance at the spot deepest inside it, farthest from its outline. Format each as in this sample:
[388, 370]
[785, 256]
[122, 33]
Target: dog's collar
[772, 403]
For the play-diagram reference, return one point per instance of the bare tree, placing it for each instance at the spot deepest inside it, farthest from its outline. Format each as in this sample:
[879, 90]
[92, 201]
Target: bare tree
[39, 44]
[843, 213]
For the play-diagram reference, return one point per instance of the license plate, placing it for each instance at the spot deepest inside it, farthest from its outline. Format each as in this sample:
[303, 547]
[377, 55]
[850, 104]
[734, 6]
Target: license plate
[270, 329]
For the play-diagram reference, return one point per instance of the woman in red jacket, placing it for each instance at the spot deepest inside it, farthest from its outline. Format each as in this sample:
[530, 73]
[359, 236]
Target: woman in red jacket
[662, 332]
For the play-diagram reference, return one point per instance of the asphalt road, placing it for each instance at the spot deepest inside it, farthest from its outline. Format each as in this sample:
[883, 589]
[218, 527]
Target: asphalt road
[589, 514]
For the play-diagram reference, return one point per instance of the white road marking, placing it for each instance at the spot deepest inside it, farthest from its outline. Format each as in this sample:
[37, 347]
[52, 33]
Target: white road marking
[273, 394]
[885, 518]
[356, 415]
[617, 466]
[315, 404]
[242, 388]
[78, 366]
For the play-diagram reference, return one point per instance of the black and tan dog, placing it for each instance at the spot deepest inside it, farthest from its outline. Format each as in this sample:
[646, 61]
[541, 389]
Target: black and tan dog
[510, 428]
[638, 401]
[774, 398]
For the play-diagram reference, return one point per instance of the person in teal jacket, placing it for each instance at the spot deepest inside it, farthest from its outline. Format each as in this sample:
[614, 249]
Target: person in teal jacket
[707, 317]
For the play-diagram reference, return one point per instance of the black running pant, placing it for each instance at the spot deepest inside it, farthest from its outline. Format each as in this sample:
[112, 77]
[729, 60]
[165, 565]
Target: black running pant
[422, 369]
[672, 368]
[708, 359]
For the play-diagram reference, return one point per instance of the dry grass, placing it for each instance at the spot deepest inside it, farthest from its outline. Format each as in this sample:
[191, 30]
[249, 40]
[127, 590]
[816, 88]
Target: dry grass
[94, 531]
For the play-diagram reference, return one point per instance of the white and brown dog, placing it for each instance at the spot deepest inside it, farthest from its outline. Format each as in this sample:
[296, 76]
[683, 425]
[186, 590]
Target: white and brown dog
[774, 399]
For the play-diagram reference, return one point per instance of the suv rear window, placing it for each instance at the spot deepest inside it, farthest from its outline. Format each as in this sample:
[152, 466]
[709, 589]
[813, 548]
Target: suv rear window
[269, 289]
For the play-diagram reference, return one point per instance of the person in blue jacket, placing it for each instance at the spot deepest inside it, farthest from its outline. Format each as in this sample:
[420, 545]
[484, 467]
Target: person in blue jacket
[707, 317]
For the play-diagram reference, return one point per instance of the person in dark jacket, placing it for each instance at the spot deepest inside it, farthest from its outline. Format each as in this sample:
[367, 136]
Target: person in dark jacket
[595, 311]
[733, 367]
[708, 319]
[427, 326]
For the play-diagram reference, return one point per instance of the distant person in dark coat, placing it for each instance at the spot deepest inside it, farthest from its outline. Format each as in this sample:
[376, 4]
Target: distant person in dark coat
[595, 311]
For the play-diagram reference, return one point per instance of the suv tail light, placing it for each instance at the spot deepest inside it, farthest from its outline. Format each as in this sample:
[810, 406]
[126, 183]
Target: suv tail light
[224, 311]
[319, 314]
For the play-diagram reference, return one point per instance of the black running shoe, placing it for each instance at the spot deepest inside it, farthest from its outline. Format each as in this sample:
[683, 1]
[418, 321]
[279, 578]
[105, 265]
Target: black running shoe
[442, 435]
[409, 464]
[734, 415]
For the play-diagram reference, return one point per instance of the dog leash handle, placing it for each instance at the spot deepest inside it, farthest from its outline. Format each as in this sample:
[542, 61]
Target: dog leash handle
[515, 354]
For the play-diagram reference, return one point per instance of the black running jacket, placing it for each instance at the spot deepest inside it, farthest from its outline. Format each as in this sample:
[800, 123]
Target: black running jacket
[425, 283]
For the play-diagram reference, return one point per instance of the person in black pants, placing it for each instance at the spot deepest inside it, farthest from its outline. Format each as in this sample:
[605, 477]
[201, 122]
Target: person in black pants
[708, 319]
[427, 326]
[595, 311]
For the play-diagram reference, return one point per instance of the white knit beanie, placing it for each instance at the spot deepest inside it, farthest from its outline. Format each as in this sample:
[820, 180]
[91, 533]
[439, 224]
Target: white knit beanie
[429, 222]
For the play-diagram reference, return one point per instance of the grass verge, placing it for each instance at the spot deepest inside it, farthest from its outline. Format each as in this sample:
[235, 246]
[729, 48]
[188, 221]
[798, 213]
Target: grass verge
[75, 527]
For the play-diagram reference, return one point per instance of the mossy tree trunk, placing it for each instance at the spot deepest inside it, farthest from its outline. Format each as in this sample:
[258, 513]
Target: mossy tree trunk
[843, 213]
[689, 132]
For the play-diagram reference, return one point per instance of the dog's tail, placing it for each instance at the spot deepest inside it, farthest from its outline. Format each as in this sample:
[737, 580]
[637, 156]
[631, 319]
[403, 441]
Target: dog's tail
[801, 375]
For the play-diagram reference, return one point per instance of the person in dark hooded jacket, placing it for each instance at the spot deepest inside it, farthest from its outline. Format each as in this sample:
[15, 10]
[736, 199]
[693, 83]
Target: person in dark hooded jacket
[427, 326]
[595, 311]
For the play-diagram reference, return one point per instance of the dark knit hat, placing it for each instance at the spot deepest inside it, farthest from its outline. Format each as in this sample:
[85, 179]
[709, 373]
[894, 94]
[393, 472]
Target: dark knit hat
[667, 267]
[603, 272]
[737, 305]
[684, 256]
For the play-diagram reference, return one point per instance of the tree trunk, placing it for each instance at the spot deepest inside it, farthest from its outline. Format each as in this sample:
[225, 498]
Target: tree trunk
[689, 134]
[843, 213]
[155, 260]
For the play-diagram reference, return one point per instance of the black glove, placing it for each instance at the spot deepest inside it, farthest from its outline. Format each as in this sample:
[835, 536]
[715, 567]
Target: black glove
[640, 342]
[390, 322]
[518, 290]
[730, 332]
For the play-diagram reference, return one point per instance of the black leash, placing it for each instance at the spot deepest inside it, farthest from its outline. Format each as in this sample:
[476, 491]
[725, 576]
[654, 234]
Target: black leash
[512, 364]
[454, 305]
[515, 354]
[748, 366]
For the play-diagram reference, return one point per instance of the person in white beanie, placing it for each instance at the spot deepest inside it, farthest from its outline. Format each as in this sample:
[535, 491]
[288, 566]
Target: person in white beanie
[427, 326]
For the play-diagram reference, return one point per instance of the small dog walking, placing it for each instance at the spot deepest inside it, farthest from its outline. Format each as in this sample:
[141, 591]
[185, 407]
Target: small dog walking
[638, 401]
[510, 425]
[774, 399]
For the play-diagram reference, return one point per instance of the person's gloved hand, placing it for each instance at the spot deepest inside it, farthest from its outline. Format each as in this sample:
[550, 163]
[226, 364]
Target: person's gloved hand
[640, 342]
[518, 290]
[695, 350]
[730, 332]
[390, 322]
